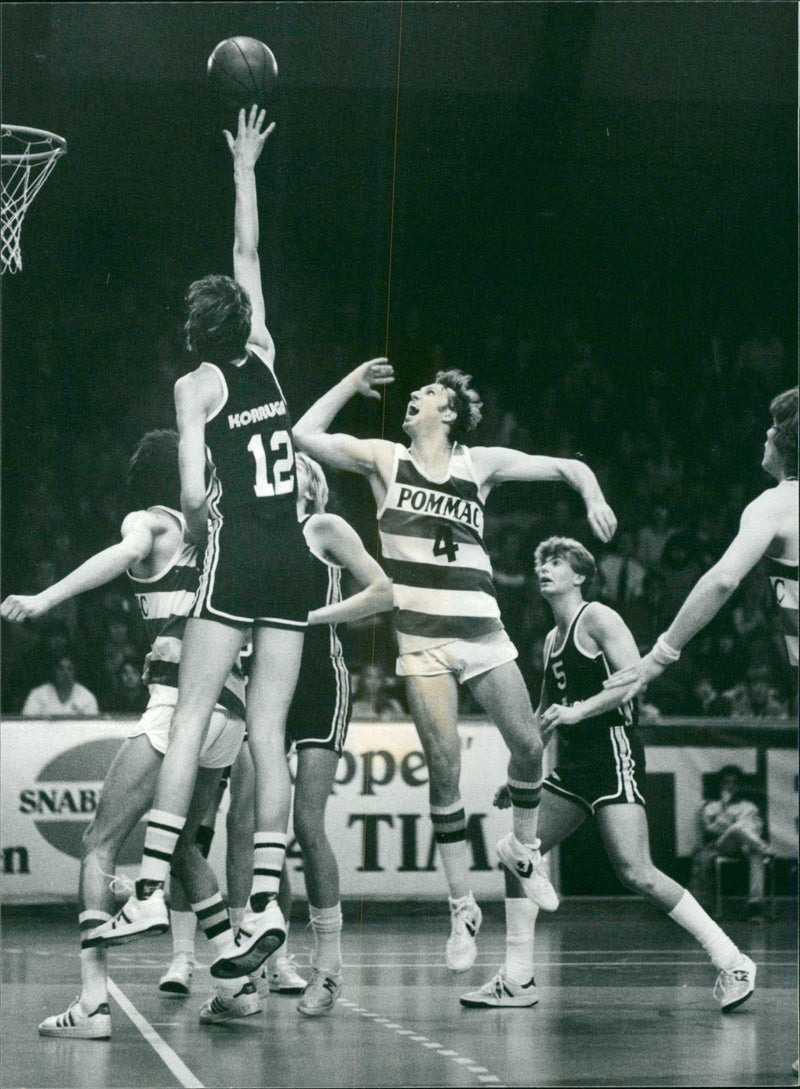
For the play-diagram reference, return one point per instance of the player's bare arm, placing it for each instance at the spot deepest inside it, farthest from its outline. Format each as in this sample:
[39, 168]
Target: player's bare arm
[139, 531]
[599, 629]
[339, 543]
[758, 528]
[369, 457]
[246, 149]
[500, 465]
[195, 395]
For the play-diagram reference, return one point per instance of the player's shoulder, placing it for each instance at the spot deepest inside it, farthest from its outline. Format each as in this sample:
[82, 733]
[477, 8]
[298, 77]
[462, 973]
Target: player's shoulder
[199, 384]
[598, 618]
[154, 521]
[775, 500]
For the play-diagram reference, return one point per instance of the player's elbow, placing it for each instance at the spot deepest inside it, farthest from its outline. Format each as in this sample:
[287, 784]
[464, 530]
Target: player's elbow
[723, 581]
[383, 592]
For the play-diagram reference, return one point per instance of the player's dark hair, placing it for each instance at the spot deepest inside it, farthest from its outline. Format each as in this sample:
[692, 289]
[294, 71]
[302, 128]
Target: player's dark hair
[464, 401]
[784, 414]
[154, 478]
[218, 319]
[576, 555]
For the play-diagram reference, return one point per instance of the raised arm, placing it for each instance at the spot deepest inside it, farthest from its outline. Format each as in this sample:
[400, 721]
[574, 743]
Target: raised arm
[138, 534]
[246, 149]
[757, 529]
[339, 542]
[364, 456]
[194, 395]
[499, 465]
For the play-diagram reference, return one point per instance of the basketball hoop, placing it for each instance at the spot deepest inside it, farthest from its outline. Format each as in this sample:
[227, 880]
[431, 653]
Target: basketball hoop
[28, 156]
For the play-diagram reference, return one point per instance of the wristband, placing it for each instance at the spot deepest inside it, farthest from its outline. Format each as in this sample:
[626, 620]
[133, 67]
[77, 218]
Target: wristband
[663, 654]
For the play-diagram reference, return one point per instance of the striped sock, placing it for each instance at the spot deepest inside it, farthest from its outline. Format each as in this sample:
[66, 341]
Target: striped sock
[269, 852]
[525, 798]
[94, 961]
[450, 833]
[212, 917]
[163, 830]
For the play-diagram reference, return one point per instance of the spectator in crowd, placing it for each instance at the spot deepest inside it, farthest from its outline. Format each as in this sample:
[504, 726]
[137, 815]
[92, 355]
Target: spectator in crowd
[707, 701]
[756, 697]
[653, 536]
[621, 575]
[731, 826]
[128, 695]
[373, 696]
[62, 696]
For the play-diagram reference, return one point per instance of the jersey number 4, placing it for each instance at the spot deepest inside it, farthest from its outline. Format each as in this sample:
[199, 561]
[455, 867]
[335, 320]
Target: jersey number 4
[444, 545]
[282, 469]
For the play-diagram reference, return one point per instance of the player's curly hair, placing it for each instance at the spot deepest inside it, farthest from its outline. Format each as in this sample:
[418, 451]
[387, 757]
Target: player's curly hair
[154, 478]
[576, 555]
[218, 319]
[464, 400]
[316, 480]
[784, 413]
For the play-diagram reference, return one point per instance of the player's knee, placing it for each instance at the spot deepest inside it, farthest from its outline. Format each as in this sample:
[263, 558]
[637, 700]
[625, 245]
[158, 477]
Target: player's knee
[310, 831]
[636, 877]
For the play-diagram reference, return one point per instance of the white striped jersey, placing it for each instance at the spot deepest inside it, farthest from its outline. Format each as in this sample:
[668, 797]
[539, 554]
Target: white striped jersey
[432, 545]
[783, 580]
[165, 601]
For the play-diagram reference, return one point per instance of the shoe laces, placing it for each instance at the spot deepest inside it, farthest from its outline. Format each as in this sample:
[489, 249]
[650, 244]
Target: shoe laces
[119, 883]
[462, 911]
[496, 986]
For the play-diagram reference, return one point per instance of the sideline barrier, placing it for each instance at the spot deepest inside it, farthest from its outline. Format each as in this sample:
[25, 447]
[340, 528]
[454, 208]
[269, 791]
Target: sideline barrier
[52, 772]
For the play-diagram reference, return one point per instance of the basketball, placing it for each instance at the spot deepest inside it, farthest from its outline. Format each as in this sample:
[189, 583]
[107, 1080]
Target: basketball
[243, 70]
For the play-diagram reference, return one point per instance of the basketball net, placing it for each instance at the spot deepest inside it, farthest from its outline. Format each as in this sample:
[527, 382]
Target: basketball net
[28, 156]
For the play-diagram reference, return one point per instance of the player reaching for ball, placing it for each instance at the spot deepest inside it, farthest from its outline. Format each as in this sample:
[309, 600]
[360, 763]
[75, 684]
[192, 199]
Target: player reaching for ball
[234, 427]
[431, 498]
[600, 773]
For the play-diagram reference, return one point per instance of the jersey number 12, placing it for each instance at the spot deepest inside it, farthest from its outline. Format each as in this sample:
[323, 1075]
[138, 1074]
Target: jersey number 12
[281, 469]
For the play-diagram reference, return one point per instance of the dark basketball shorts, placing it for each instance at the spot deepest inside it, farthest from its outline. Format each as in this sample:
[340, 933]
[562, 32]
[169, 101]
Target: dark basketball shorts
[320, 711]
[255, 575]
[604, 767]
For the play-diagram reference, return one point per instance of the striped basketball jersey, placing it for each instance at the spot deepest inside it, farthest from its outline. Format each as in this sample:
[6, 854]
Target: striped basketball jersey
[783, 580]
[249, 441]
[432, 544]
[165, 601]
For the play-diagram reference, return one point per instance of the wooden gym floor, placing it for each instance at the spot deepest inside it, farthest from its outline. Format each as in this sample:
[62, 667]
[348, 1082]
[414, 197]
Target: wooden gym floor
[624, 1000]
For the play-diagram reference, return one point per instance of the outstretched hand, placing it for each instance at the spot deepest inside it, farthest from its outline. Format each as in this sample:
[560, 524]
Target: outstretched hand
[375, 372]
[19, 607]
[602, 520]
[637, 676]
[250, 136]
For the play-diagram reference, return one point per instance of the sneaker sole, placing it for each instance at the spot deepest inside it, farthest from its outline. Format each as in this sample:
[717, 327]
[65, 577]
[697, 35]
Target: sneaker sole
[734, 1005]
[511, 1003]
[76, 1032]
[288, 990]
[222, 1019]
[321, 1011]
[122, 939]
[250, 961]
[171, 989]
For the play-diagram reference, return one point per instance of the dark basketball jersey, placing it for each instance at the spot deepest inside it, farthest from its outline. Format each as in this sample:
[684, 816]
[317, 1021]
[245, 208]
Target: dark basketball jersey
[432, 546]
[572, 676]
[165, 602]
[249, 440]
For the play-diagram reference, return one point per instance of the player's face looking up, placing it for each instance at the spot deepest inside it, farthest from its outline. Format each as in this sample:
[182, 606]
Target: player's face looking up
[556, 576]
[428, 404]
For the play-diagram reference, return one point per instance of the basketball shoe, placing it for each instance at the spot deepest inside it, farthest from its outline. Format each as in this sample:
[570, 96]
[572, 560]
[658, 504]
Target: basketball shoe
[320, 994]
[735, 985]
[259, 935]
[284, 977]
[465, 922]
[138, 918]
[76, 1024]
[500, 991]
[177, 980]
[525, 862]
[229, 1003]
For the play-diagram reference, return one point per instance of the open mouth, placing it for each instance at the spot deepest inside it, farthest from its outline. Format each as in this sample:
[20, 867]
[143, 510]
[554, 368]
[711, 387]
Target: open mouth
[412, 409]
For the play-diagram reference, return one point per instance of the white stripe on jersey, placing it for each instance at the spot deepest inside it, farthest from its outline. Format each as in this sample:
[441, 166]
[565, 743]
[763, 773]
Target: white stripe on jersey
[422, 599]
[418, 549]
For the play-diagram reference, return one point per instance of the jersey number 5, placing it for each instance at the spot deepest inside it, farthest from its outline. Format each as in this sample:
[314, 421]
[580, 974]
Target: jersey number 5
[281, 469]
[444, 545]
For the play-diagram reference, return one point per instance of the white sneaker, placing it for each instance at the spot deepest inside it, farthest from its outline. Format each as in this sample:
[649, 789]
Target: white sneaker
[137, 919]
[260, 980]
[320, 994]
[76, 1024]
[228, 1004]
[260, 934]
[735, 985]
[284, 977]
[465, 922]
[177, 980]
[525, 862]
[499, 991]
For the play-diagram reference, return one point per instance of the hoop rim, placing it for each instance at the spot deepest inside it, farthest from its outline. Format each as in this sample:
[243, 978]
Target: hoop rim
[42, 134]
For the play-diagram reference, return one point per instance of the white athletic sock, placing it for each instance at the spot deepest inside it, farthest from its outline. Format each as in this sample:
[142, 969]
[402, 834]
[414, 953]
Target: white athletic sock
[94, 961]
[327, 926]
[184, 927]
[269, 852]
[520, 924]
[688, 914]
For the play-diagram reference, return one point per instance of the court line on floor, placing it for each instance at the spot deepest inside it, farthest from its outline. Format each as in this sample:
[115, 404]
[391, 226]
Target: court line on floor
[173, 1062]
[481, 1072]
